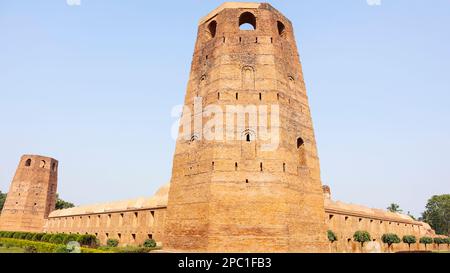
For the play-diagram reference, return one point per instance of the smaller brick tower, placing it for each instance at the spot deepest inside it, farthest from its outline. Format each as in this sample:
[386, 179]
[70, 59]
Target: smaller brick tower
[32, 195]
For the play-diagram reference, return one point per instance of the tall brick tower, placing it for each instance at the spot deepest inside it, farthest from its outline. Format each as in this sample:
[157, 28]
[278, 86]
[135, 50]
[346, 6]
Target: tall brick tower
[235, 195]
[32, 195]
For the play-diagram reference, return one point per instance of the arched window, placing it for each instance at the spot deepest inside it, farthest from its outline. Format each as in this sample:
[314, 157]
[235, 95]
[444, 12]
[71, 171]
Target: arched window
[194, 138]
[212, 27]
[300, 142]
[248, 77]
[54, 167]
[42, 164]
[28, 162]
[248, 135]
[291, 82]
[247, 21]
[281, 29]
[301, 152]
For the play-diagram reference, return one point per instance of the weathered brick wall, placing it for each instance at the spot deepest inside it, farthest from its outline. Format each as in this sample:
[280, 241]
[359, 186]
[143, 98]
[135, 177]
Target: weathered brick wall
[134, 226]
[345, 224]
[130, 227]
[32, 195]
[232, 195]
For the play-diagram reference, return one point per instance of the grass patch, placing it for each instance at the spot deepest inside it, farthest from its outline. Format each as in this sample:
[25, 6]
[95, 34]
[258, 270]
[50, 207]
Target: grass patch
[11, 250]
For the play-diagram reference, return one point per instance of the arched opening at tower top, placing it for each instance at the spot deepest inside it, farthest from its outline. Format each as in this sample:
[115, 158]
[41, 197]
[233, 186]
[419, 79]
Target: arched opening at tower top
[281, 29]
[247, 21]
[300, 142]
[212, 29]
[28, 162]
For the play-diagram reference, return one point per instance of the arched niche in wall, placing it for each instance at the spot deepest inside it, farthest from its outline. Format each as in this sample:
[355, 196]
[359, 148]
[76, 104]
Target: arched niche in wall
[301, 152]
[211, 29]
[248, 144]
[248, 78]
[281, 29]
[291, 82]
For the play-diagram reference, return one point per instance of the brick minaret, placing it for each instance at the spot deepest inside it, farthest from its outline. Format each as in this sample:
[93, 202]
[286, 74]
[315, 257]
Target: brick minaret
[235, 195]
[32, 195]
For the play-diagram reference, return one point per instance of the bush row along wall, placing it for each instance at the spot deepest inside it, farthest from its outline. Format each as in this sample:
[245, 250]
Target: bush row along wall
[345, 224]
[42, 247]
[133, 227]
[129, 227]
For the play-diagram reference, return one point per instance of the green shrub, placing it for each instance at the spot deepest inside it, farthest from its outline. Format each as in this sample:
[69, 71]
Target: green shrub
[439, 241]
[37, 237]
[126, 249]
[426, 241]
[112, 242]
[331, 236]
[46, 237]
[57, 238]
[132, 249]
[390, 239]
[150, 243]
[29, 236]
[17, 235]
[361, 236]
[409, 239]
[447, 241]
[93, 250]
[30, 249]
[9, 234]
[39, 246]
[60, 249]
[88, 240]
[71, 238]
[42, 247]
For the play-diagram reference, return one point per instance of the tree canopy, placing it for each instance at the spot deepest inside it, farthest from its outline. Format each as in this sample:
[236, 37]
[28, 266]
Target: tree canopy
[361, 236]
[61, 204]
[437, 213]
[2, 199]
[394, 208]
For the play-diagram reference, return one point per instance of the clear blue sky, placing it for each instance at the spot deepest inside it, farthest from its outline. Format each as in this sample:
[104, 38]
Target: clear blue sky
[93, 86]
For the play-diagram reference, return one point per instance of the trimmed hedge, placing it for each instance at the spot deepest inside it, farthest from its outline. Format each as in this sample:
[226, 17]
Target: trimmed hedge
[112, 243]
[149, 243]
[43, 247]
[87, 240]
[126, 249]
[331, 236]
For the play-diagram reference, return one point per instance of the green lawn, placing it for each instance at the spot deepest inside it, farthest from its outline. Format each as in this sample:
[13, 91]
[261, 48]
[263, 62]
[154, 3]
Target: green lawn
[11, 250]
